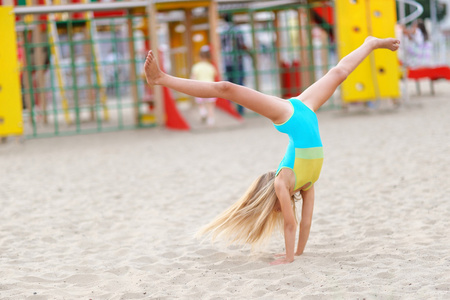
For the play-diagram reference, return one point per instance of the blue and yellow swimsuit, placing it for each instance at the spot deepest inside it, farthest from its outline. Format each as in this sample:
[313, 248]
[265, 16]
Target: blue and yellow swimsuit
[304, 155]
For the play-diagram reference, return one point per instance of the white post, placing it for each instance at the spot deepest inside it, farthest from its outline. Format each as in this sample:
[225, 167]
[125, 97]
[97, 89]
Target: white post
[434, 32]
[405, 72]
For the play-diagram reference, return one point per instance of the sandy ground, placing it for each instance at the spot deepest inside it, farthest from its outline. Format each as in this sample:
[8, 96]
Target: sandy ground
[112, 216]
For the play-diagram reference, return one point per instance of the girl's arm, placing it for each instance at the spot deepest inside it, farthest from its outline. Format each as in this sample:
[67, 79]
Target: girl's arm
[290, 225]
[305, 223]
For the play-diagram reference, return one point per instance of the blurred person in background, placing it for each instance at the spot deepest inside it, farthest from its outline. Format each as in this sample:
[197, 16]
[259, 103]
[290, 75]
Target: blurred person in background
[419, 46]
[205, 71]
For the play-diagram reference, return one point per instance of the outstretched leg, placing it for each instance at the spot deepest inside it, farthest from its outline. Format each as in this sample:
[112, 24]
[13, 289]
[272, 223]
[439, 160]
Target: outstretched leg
[319, 92]
[274, 108]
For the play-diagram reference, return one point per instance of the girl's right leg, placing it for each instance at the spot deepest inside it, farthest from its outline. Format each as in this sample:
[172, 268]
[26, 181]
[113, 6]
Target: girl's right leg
[274, 108]
[319, 92]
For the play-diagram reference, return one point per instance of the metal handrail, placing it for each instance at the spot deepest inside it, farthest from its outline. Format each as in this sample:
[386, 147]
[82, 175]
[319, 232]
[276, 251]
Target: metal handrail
[412, 16]
[41, 9]
[48, 9]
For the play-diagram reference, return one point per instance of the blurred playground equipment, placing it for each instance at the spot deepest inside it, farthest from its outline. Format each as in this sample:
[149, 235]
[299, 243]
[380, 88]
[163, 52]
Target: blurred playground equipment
[431, 64]
[10, 98]
[81, 68]
[376, 77]
[81, 62]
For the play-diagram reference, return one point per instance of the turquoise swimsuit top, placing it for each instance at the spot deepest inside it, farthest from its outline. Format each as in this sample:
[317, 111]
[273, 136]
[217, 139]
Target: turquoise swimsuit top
[304, 154]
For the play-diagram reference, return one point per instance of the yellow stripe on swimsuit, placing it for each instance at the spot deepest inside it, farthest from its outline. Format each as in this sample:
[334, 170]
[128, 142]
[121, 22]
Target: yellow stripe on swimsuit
[304, 154]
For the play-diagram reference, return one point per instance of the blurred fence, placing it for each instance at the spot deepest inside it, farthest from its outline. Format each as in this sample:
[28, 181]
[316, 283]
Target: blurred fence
[82, 70]
[288, 47]
[82, 74]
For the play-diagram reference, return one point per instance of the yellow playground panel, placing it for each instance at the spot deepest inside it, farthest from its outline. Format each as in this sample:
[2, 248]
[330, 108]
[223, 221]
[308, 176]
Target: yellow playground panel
[377, 76]
[10, 97]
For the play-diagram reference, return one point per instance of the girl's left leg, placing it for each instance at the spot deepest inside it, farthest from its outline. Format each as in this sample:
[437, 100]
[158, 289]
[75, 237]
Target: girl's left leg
[274, 108]
[319, 92]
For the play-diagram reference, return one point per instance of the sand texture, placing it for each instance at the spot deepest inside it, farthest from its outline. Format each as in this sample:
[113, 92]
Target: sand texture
[112, 216]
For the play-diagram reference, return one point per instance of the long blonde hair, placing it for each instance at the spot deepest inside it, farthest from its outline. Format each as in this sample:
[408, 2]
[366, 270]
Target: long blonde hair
[252, 219]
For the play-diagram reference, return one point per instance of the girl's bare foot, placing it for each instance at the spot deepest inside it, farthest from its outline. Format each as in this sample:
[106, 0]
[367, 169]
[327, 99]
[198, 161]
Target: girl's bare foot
[152, 72]
[389, 43]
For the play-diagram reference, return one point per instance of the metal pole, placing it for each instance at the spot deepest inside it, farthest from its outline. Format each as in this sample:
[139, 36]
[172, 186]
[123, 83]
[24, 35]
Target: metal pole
[157, 89]
[47, 9]
[405, 67]
[68, 8]
[305, 63]
[39, 61]
[434, 31]
[73, 68]
[29, 82]
[188, 40]
[116, 68]
[133, 71]
[213, 35]
[254, 51]
[309, 43]
[276, 28]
